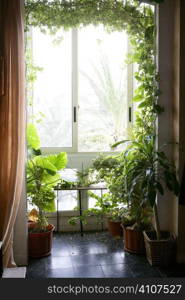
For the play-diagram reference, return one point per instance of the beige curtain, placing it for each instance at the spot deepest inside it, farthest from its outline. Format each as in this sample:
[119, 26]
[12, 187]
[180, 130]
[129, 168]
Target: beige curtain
[12, 121]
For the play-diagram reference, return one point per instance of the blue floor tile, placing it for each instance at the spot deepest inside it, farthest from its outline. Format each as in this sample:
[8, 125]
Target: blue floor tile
[117, 271]
[88, 272]
[61, 273]
[95, 255]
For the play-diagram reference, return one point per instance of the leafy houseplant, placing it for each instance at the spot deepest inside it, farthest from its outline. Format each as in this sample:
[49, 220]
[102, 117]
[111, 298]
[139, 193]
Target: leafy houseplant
[149, 172]
[42, 176]
[134, 222]
[110, 207]
[105, 209]
[138, 215]
[114, 221]
[135, 217]
[109, 170]
[111, 211]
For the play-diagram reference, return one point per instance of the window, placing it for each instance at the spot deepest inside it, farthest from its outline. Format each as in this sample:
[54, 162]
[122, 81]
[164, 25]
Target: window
[52, 95]
[83, 89]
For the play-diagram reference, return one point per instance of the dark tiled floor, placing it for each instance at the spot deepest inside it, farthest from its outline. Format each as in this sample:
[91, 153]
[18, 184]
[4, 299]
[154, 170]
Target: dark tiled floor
[95, 255]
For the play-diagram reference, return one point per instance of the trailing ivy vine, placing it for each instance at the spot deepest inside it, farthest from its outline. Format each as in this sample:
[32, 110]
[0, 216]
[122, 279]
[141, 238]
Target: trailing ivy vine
[129, 15]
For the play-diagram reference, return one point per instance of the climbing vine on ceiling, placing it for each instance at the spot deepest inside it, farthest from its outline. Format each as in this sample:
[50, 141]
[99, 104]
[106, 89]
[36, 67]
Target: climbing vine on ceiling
[133, 16]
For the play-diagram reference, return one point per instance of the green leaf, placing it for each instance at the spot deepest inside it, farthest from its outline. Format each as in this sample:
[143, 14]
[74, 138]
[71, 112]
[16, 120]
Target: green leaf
[51, 180]
[44, 163]
[152, 197]
[143, 104]
[50, 206]
[119, 143]
[158, 109]
[58, 160]
[33, 139]
[160, 188]
[137, 98]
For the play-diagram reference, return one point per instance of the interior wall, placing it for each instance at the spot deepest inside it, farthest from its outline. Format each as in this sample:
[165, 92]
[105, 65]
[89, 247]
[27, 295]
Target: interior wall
[167, 204]
[171, 123]
[181, 126]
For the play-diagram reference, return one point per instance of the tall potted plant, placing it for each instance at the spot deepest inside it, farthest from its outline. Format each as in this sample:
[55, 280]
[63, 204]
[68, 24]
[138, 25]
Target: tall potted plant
[152, 172]
[42, 176]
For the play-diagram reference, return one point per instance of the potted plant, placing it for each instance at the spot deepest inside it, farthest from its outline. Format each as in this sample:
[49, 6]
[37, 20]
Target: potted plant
[134, 222]
[105, 210]
[150, 172]
[42, 176]
[110, 210]
[134, 217]
[108, 170]
[114, 222]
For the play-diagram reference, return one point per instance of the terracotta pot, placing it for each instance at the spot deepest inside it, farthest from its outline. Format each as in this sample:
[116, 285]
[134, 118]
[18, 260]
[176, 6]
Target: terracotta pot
[115, 228]
[40, 243]
[133, 240]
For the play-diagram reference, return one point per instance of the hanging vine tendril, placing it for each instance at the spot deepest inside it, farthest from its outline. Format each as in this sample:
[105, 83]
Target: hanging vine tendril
[133, 17]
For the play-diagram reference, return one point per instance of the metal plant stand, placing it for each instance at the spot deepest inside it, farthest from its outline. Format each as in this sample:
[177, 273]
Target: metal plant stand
[79, 189]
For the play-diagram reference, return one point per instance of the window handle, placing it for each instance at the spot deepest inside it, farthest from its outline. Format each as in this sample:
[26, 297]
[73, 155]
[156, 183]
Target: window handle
[130, 114]
[74, 114]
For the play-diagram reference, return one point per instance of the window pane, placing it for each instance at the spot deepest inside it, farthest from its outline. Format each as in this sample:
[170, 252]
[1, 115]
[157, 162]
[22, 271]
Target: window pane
[67, 200]
[52, 89]
[102, 88]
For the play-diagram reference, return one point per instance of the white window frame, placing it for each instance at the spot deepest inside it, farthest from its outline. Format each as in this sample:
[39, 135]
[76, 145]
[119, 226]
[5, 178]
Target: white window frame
[75, 158]
[74, 106]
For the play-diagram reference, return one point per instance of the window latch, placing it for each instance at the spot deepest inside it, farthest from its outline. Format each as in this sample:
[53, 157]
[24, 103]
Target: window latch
[130, 114]
[74, 114]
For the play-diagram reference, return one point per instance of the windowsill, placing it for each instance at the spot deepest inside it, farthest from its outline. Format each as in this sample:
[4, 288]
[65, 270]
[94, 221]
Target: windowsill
[58, 150]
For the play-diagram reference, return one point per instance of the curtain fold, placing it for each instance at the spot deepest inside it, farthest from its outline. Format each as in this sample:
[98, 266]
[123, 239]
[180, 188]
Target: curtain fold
[12, 121]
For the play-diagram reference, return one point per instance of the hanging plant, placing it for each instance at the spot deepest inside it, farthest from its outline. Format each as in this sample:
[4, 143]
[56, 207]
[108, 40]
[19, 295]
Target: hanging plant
[136, 19]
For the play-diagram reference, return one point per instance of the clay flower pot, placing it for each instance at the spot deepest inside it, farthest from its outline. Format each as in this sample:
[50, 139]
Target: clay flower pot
[133, 240]
[40, 243]
[115, 228]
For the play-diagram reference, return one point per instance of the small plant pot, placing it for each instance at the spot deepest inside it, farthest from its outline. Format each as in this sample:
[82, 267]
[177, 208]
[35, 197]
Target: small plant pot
[115, 228]
[160, 252]
[133, 240]
[40, 243]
